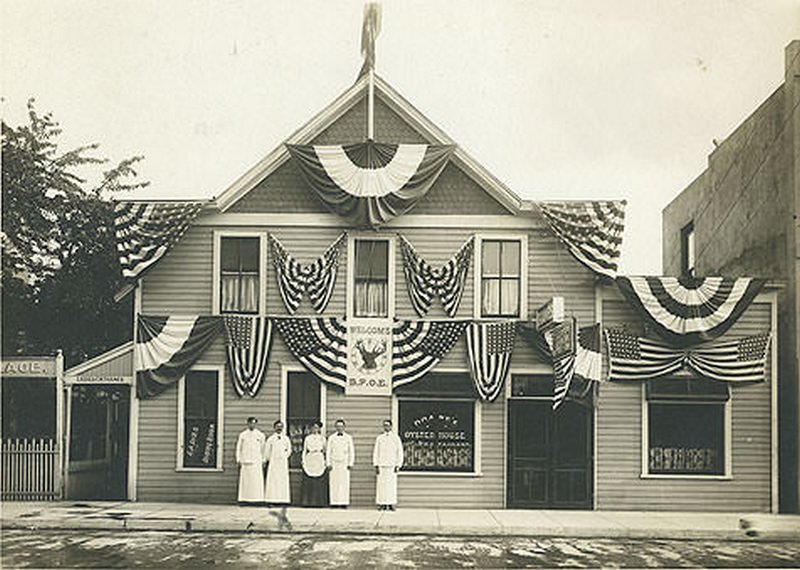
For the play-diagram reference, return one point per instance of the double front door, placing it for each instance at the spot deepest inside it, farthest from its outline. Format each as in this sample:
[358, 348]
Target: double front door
[549, 455]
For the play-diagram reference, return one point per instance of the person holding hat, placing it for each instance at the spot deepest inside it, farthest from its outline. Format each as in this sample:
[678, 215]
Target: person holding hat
[249, 449]
[314, 491]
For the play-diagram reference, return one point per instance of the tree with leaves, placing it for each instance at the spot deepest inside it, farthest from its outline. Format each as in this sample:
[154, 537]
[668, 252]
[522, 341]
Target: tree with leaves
[59, 264]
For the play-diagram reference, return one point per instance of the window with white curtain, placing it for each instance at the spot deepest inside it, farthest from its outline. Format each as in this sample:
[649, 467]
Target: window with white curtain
[371, 278]
[240, 276]
[501, 278]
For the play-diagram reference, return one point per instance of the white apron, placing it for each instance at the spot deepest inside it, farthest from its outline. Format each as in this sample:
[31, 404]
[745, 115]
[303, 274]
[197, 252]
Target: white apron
[249, 455]
[386, 455]
[340, 455]
[386, 486]
[277, 450]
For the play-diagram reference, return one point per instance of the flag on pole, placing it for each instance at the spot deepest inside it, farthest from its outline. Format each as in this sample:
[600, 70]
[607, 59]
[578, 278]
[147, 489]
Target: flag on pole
[424, 282]
[418, 346]
[317, 278]
[247, 345]
[146, 231]
[370, 28]
[166, 347]
[489, 347]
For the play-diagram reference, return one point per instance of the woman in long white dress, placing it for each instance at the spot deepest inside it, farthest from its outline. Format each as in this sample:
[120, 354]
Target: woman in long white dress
[315, 484]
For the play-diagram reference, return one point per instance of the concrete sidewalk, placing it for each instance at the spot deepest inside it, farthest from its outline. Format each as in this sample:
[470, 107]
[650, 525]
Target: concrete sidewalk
[72, 515]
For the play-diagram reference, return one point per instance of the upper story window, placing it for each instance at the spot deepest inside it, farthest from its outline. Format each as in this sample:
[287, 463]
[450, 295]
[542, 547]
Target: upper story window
[687, 250]
[501, 278]
[240, 277]
[371, 277]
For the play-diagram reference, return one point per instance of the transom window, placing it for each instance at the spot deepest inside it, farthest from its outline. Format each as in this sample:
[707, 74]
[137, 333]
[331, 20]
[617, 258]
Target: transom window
[686, 426]
[239, 276]
[371, 278]
[501, 278]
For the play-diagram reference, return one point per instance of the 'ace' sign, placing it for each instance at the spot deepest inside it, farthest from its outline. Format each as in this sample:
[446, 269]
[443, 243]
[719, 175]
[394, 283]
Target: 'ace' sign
[369, 359]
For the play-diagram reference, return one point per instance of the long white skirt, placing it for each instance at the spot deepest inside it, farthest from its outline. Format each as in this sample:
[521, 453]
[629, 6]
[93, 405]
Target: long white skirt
[276, 489]
[251, 483]
[386, 486]
[340, 484]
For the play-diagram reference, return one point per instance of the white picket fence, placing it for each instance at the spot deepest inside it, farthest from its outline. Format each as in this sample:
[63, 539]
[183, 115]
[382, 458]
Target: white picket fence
[29, 470]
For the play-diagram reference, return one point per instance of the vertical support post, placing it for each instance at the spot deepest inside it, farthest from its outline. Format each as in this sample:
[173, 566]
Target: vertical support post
[67, 434]
[133, 431]
[60, 439]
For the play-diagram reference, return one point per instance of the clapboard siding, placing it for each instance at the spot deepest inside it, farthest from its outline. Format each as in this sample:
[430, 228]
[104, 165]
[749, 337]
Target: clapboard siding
[619, 440]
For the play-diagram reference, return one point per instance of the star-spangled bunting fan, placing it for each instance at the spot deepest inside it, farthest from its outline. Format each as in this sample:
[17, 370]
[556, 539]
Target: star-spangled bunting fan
[591, 231]
[166, 347]
[739, 360]
[418, 346]
[146, 231]
[576, 371]
[424, 282]
[688, 310]
[370, 183]
[489, 347]
[320, 344]
[317, 278]
[247, 345]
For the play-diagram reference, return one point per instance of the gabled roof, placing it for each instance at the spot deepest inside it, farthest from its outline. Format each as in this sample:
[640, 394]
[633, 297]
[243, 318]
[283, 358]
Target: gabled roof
[342, 104]
[103, 358]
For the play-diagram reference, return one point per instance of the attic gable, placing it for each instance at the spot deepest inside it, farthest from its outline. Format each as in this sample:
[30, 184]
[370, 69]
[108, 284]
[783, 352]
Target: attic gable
[275, 184]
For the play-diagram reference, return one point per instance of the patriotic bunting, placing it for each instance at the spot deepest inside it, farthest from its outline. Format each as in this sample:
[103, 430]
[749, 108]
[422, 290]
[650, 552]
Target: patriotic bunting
[248, 341]
[166, 347]
[294, 279]
[489, 346]
[583, 367]
[739, 360]
[688, 310]
[591, 231]
[424, 282]
[418, 346]
[370, 183]
[146, 231]
[320, 344]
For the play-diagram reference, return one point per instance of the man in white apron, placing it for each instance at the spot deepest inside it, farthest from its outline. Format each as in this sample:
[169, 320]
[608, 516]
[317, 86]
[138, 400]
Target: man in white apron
[277, 450]
[250, 458]
[387, 457]
[339, 457]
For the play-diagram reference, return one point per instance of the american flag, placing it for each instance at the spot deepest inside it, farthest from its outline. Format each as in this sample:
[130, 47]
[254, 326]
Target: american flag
[418, 346]
[489, 346]
[592, 231]
[247, 345]
[294, 279]
[424, 281]
[320, 344]
[738, 360]
[146, 231]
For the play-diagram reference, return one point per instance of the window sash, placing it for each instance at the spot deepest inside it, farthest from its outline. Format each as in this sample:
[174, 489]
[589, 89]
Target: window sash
[200, 445]
[501, 278]
[676, 447]
[371, 278]
[240, 274]
[434, 454]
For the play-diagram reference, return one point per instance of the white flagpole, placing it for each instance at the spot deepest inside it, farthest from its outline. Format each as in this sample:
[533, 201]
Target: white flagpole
[371, 106]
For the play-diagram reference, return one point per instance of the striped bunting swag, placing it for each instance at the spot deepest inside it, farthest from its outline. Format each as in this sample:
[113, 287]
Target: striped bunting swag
[247, 346]
[146, 231]
[320, 344]
[418, 346]
[294, 279]
[424, 282]
[166, 347]
[489, 346]
[591, 231]
[370, 183]
[581, 368]
[739, 360]
[690, 310]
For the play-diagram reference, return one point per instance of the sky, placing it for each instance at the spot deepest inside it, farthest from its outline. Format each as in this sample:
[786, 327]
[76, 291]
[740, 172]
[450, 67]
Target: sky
[559, 99]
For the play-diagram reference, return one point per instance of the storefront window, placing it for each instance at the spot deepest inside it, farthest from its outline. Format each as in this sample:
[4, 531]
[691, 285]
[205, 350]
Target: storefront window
[240, 279]
[686, 426]
[303, 409]
[501, 276]
[200, 419]
[371, 278]
[437, 424]
[90, 415]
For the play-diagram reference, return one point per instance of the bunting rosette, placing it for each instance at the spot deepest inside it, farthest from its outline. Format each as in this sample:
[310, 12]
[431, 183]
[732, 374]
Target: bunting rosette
[146, 231]
[738, 360]
[320, 344]
[591, 231]
[689, 310]
[166, 347]
[370, 183]
[418, 346]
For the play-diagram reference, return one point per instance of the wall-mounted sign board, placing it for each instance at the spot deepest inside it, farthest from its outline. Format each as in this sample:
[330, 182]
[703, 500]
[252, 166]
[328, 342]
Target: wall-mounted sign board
[550, 314]
[28, 367]
[88, 379]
